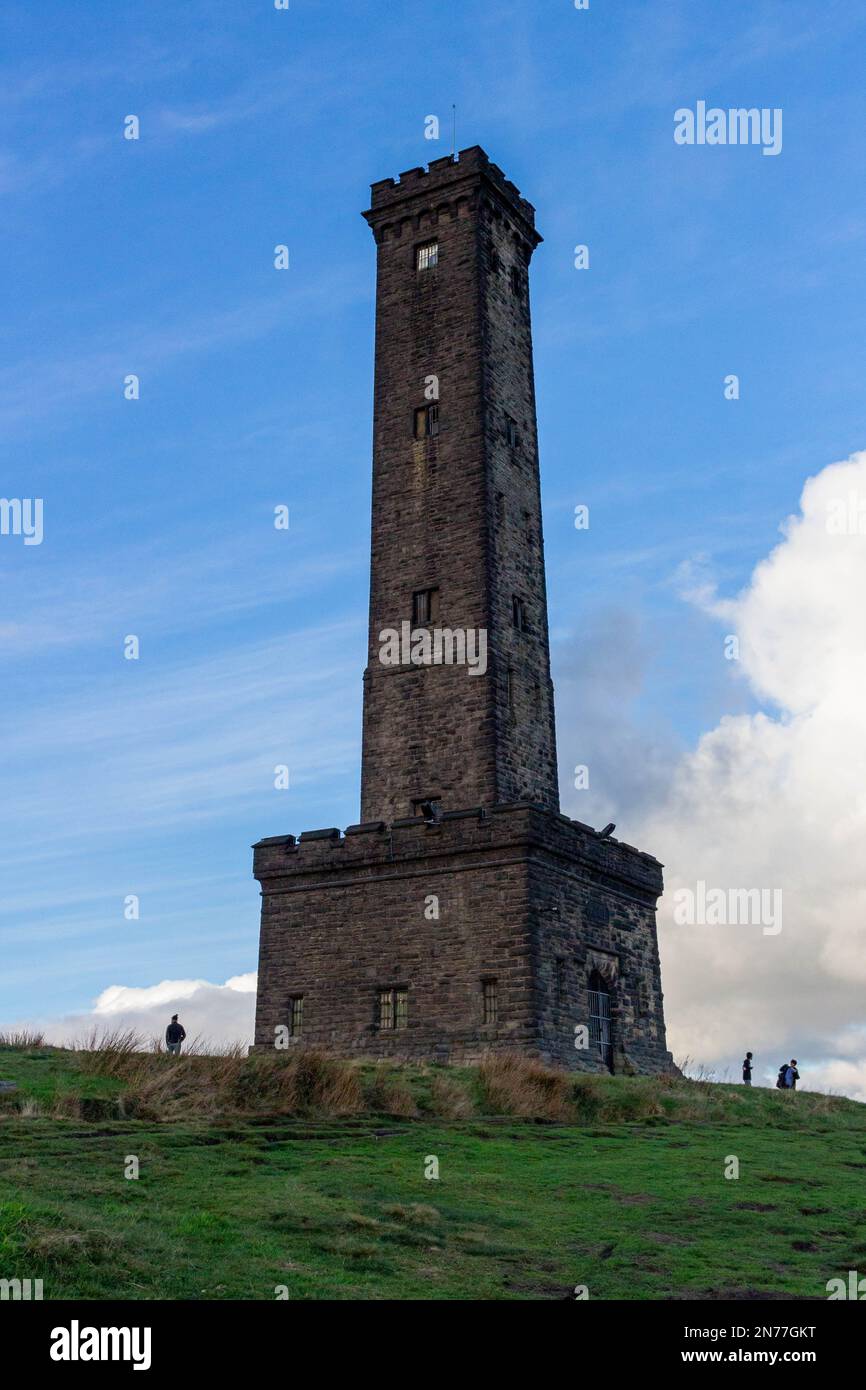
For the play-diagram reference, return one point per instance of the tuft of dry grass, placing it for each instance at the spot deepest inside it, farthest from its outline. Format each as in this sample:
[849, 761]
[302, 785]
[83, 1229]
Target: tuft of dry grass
[387, 1093]
[512, 1084]
[413, 1214]
[302, 1082]
[21, 1040]
[116, 1052]
[449, 1098]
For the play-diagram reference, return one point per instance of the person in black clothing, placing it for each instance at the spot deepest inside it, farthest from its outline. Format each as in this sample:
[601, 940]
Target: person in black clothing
[747, 1069]
[174, 1036]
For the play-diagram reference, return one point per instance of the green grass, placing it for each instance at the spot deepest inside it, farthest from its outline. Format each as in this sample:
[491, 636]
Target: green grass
[632, 1203]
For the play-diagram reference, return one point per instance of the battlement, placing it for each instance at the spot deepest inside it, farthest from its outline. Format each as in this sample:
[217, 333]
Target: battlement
[443, 179]
[499, 831]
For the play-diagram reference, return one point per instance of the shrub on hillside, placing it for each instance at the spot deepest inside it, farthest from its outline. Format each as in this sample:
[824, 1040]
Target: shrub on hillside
[512, 1084]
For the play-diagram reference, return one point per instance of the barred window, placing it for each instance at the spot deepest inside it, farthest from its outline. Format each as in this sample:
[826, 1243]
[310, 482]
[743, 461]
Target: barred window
[489, 1000]
[393, 1008]
[386, 1008]
[426, 420]
[428, 255]
[296, 1015]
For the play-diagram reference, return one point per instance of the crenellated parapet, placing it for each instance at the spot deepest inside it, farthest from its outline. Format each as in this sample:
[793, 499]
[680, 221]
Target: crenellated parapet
[521, 827]
[448, 188]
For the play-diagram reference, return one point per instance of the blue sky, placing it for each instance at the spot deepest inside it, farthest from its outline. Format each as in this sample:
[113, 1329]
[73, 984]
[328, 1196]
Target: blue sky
[155, 257]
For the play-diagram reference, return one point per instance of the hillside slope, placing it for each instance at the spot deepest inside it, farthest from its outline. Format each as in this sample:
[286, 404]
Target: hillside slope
[623, 1191]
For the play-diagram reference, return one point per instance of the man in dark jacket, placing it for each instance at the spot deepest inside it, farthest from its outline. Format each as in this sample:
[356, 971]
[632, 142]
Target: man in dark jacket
[747, 1069]
[174, 1036]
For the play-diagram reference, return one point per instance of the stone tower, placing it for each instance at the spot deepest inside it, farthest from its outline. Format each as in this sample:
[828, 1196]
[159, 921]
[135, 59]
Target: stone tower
[463, 912]
[456, 499]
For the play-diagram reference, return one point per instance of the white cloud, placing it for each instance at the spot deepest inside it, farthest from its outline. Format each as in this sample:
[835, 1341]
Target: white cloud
[216, 1013]
[778, 800]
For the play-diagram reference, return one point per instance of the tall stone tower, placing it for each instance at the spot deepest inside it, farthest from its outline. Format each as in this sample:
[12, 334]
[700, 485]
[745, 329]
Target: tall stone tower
[463, 912]
[456, 499]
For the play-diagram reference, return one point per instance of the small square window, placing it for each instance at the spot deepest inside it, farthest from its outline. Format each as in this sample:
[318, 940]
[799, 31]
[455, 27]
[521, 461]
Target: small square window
[296, 1016]
[425, 607]
[518, 613]
[428, 256]
[426, 421]
[489, 1000]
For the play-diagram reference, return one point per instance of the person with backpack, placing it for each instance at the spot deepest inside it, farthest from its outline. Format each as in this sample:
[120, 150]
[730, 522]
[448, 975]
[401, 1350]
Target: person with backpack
[781, 1079]
[792, 1076]
[747, 1069]
[174, 1036]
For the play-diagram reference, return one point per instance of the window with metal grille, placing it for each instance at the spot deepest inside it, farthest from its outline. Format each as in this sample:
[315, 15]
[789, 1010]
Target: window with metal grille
[425, 607]
[296, 1015]
[426, 422]
[393, 1008]
[518, 613]
[600, 1028]
[489, 1000]
[428, 255]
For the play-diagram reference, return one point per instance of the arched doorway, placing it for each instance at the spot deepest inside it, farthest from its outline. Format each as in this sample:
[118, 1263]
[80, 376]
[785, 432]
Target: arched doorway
[600, 1026]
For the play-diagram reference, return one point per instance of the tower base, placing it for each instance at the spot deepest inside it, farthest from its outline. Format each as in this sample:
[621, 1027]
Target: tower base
[502, 928]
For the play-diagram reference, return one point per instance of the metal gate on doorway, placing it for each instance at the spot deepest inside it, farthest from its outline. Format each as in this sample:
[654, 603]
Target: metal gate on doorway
[600, 1026]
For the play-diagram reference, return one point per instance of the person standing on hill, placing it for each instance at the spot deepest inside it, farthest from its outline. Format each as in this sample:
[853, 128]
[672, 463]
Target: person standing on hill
[174, 1036]
[747, 1069]
[792, 1076]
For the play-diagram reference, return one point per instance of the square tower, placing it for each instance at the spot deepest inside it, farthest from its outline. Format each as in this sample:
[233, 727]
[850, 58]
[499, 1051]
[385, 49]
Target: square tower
[456, 498]
[463, 912]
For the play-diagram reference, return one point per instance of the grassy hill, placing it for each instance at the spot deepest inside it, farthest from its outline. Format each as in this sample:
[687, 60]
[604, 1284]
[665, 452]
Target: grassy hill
[309, 1173]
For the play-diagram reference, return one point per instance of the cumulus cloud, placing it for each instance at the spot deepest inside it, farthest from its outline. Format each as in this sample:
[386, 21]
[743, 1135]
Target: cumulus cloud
[213, 1013]
[777, 800]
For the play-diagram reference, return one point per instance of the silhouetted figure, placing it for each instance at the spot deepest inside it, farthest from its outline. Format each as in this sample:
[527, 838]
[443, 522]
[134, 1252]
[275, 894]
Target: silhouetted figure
[174, 1036]
[747, 1069]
